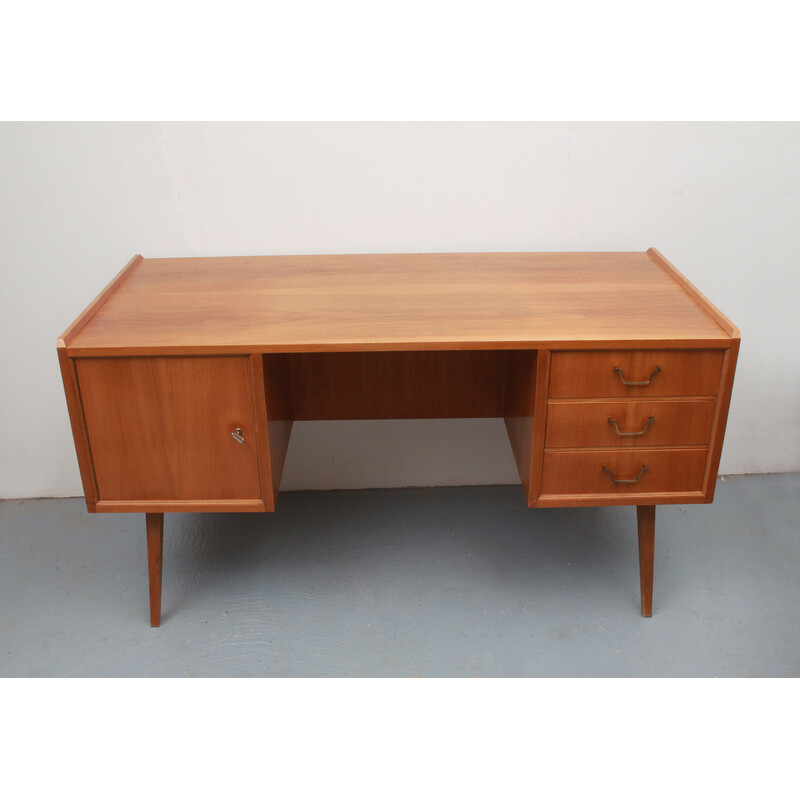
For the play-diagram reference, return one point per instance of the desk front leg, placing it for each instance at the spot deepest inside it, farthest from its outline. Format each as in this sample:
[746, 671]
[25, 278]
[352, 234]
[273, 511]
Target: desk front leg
[155, 551]
[646, 523]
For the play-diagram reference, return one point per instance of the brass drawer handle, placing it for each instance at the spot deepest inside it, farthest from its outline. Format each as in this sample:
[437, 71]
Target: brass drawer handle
[238, 435]
[647, 424]
[625, 480]
[637, 383]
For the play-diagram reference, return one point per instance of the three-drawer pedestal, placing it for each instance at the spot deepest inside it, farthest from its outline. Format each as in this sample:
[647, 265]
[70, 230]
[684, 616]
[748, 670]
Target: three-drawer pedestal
[629, 424]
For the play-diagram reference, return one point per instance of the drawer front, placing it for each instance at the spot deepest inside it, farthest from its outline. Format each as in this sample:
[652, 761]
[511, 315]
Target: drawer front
[635, 373]
[160, 428]
[629, 423]
[583, 473]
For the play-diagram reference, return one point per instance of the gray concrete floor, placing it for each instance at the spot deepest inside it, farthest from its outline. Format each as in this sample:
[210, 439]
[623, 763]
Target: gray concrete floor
[445, 582]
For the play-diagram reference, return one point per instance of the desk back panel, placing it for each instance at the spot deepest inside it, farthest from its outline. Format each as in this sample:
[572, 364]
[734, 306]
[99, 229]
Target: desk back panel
[420, 384]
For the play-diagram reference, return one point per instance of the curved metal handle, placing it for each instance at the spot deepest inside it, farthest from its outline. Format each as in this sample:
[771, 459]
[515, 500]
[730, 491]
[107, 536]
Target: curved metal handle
[647, 424]
[637, 383]
[238, 435]
[625, 480]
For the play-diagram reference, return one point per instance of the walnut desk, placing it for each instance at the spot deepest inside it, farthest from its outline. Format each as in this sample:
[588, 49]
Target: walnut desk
[612, 372]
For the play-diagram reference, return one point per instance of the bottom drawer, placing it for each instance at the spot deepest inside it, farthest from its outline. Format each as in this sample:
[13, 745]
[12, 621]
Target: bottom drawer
[629, 471]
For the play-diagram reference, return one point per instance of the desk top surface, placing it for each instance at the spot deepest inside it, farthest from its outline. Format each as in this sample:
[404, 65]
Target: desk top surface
[400, 301]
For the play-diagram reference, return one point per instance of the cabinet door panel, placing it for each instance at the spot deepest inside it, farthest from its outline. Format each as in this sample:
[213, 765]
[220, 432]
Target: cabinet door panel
[160, 427]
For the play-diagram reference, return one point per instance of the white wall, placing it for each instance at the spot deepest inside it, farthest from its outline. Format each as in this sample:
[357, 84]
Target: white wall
[722, 201]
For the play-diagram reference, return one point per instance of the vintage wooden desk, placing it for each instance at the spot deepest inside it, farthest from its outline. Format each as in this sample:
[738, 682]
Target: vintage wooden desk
[612, 372]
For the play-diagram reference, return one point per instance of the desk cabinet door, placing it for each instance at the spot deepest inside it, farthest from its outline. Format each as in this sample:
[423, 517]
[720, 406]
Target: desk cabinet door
[160, 428]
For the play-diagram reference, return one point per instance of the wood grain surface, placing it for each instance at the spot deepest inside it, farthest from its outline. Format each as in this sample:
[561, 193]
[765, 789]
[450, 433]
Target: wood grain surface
[397, 385]
[646, 529]
[176, 355]
[721, 417]
[154, 524]
[273, 388]
[694, 293]
[86, 315]
[160, 428]
[77, 421]
[585, 423]
[591, 373]
[520, 407]
[568, 472]
[395, 302]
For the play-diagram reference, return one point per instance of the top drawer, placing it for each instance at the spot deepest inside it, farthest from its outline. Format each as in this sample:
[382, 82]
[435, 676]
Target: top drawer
[635, 373]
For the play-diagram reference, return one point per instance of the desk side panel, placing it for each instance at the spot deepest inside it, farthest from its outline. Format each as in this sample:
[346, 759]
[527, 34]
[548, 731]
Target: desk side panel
[720, 419]
[273, 408]
[78, 424]
[525, 414]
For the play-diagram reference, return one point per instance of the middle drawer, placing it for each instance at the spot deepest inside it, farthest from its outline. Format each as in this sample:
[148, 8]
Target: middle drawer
[628, 423]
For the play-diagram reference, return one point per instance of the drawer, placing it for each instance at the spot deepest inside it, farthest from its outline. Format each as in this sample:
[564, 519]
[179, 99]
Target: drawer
[647, 471]
[635, 373]
[636, 423]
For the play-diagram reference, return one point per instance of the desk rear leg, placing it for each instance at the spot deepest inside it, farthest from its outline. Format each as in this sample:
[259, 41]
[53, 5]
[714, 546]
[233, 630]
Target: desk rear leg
[646, 523]
[155, 550]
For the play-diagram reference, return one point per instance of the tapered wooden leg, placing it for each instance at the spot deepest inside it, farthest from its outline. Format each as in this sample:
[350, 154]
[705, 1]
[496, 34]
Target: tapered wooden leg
[646, 521]
[155, 548]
